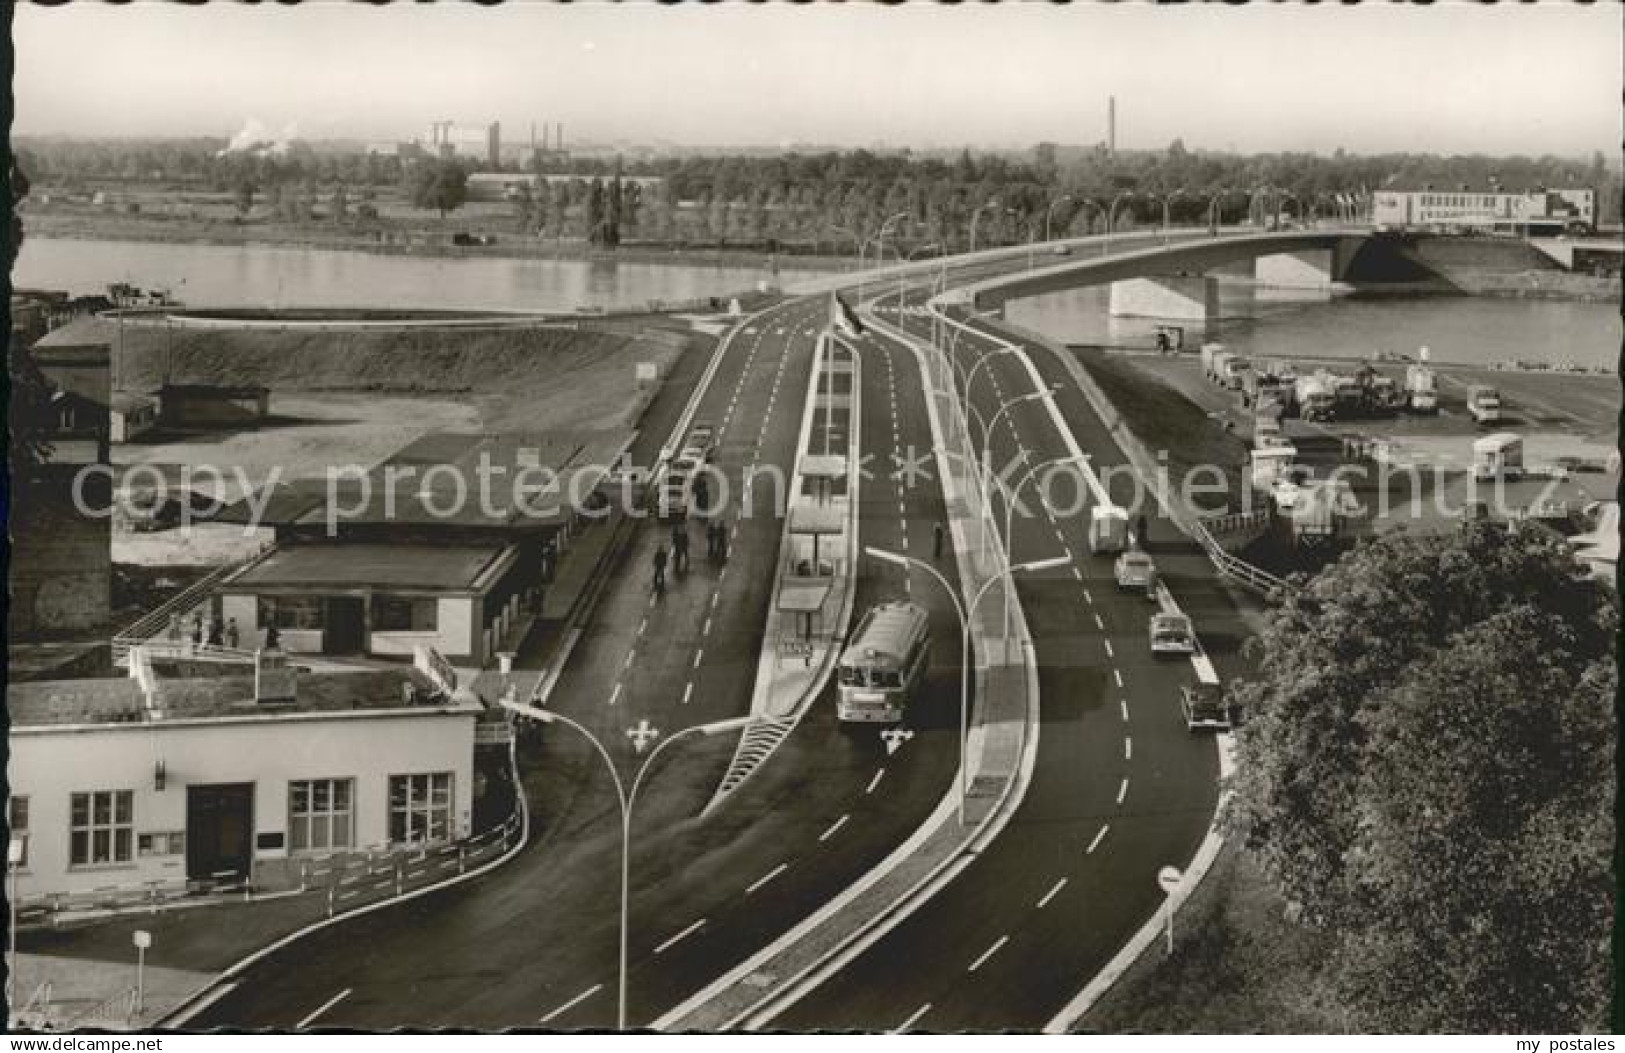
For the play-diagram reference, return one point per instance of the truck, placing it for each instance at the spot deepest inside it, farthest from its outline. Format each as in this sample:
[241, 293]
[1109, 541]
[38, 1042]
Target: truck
[1484, 403]
[1209, 350]
[1498, 456]
[1421, 388]
[1108, 529]
[1315, 397]
[1171, 633]
[1260, 387]
[1232, 372]
[1136, 570]
[1219, 363]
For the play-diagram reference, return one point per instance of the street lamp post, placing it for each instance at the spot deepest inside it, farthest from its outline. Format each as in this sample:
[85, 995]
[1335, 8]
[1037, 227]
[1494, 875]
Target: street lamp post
[1050, 212]
[1167, 207]
[1043, 395]
[879, 242]
[1011, 499]
[909, 258]
[1111, 216]
[964, 612]
[640, 737]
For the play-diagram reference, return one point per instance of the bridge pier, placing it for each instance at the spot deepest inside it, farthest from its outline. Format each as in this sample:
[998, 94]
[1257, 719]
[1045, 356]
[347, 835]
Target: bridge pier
[1306, 269]
[1177, 298]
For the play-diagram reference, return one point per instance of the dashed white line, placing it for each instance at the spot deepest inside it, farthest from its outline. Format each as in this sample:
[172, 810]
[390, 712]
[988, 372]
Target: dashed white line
[688, 691]
[707, 630]
[1128, 748]
[1108, 646]
[836, 825]
[875, 781]
[324, 1007]
[572, 1003]
[672, 942]
[630, 657]
[615, 695]
[765, 878]
[1117, 674]
[700, 654]
[1088, 597]
[1122, 790]
[643, 626]
[1076, 573]
[1054, 889]
[990, 952]
[1099, 624]
[1100, 834]
[716, 596]
[1122, 705]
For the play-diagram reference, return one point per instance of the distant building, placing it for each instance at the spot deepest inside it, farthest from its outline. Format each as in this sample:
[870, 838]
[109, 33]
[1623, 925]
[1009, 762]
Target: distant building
[1493, 212]
[479, 142]
[144, 783]
[505, 186]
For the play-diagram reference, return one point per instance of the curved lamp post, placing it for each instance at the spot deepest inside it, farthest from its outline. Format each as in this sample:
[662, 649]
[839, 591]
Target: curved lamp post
[626, 796]
[964, 611]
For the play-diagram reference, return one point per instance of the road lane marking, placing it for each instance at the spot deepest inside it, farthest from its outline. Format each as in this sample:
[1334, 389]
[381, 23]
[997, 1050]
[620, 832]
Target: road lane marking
[1100, 834]
[1088, 596]
[324, 1007]
[707, 630]
[1122, 790]
[1109, 653]
[643, 625]
[1118, 674]
[1076, 573]
[1099, 624]
[572, 1003]
[701, 654]
[688, 690]
[615, 695]
[836, 825]
[630, 657]
[1128, 748]
[990, 952]
[765, 878]
[1123, 705]
[875, 781]
[716, 596]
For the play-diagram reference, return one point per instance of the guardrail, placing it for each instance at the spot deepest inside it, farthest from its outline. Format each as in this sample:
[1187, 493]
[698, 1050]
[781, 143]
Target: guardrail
[1235, 567]
[118, 1010]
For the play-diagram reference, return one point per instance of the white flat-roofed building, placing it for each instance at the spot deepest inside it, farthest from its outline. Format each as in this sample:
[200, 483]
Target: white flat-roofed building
[120, 784]
[1492, 211]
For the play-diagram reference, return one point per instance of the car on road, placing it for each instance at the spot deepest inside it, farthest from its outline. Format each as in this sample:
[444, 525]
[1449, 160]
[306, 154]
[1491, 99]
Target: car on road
[1171, 633]
[1136, 570]
[1205, 706]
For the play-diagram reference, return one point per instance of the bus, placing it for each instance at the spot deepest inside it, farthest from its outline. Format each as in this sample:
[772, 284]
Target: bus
[883, 663]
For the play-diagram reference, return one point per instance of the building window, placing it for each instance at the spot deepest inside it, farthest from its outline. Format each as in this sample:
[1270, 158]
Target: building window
[291, 612]
[420, 808]
[319, 815]
[17, 823]
[398, 614]
[100, 828]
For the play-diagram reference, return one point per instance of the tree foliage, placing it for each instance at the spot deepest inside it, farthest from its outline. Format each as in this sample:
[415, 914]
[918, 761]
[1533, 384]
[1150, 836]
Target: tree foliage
[28, 406]
[438, 185]
[1427, 773]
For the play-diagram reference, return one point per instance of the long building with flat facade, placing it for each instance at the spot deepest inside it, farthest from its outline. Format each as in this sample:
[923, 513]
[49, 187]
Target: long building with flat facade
[1486, 212]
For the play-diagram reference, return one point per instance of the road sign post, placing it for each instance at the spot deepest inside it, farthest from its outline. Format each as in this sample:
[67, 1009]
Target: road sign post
[1168, 878]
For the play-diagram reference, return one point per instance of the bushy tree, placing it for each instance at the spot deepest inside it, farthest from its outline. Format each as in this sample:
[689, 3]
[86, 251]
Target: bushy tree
[1427, 775]
[440, 185]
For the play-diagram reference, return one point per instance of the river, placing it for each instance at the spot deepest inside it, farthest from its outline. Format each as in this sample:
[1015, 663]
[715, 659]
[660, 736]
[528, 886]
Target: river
[263, 275]
[1265, 324]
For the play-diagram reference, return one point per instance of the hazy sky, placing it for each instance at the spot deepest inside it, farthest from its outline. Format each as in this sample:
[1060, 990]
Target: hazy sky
[1455, 77]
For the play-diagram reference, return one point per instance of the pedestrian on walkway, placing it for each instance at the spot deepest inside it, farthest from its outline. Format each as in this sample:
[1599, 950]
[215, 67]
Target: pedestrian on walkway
[679, 548]
[232, 635]
[660, 569]
[936, 540]
[273, 639]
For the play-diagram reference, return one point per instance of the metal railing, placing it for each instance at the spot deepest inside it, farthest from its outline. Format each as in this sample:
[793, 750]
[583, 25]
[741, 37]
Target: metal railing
[118, 1009]
[1234, 566]
[147, 628]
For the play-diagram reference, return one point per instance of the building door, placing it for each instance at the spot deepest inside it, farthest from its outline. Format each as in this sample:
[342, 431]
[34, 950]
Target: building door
[345, 626]
[219, 830]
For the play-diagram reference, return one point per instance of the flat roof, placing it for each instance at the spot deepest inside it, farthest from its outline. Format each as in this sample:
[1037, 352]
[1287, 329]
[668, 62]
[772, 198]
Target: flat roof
[47, 703]
[437, 480]
[824, 466]
[803, 598]
[346, 564]
[817, 519]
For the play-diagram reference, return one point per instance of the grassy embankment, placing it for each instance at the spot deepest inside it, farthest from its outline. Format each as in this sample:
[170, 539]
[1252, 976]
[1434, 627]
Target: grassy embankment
[1166, 420]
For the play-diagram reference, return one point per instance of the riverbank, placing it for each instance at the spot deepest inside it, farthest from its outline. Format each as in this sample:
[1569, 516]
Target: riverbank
[428, 240]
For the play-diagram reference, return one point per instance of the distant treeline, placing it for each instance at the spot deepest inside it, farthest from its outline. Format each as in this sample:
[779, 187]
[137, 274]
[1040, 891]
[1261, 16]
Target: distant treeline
[848, 196]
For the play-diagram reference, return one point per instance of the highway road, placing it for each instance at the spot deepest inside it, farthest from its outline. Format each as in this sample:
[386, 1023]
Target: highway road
[533, 944]
[1120, 787]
